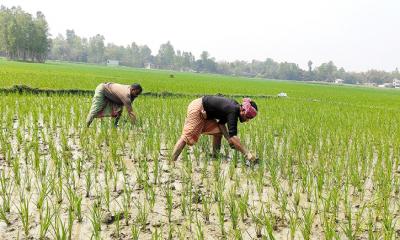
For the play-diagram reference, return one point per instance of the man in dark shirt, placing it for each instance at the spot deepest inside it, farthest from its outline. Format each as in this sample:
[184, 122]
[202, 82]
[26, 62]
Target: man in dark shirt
[109, 98]
[210, 115]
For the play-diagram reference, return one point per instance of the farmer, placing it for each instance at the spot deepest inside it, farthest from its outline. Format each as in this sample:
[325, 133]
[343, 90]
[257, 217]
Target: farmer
[208, 115]
[109, 99]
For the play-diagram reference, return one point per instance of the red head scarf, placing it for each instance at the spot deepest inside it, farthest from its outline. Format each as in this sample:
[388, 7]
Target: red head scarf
[249, 110]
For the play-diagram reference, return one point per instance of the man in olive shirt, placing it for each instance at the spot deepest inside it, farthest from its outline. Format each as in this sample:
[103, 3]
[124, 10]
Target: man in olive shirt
[109, 99]
[209, 115]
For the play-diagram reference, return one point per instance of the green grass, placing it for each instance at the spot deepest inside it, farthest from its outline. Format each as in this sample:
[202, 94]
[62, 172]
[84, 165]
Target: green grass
[56, 75]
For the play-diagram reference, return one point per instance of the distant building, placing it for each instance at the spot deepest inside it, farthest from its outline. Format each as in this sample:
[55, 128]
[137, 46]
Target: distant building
[150, 66]
[112, 63]
[396, 83]
[339, 81]
[386, 85]
[369, 84]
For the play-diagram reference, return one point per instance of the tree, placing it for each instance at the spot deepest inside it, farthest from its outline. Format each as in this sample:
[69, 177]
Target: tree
[326, 72]
[96, 49]
[166, 55]
[41, 42]
[23, 37]
[145, 55]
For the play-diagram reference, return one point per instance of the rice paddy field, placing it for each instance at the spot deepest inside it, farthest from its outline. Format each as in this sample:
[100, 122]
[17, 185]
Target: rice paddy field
[329, 161]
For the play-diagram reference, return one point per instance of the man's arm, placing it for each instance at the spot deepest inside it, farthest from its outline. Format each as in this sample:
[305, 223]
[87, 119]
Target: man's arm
[224, 131]
[131, 114]
[234, 139]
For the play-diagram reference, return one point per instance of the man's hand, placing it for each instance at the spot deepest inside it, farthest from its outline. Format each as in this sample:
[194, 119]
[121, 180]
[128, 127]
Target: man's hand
[132, 117]
[250, 157]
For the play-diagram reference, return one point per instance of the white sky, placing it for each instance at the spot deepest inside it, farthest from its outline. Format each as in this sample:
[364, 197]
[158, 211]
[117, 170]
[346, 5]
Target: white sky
[354, 34]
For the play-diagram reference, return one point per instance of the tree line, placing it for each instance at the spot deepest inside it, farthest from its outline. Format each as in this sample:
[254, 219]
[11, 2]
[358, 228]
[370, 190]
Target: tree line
[24, 37]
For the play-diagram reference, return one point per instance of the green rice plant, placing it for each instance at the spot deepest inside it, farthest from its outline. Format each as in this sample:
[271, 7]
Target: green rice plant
[243, 204]
[43, 190]
[107, 197]
[95, 219]
[58, 189]
[143, 214]
[59, 229]
[115, 181]
[217, 169]
[126, 203]
[156, 235]
[206, 207]
[6, 189]
[269, 224]
[150, 194]
[308, 219]
[70, 223]
[190, 202]
[3, 217]
[117, 225]
[44, 221]
[292, 224]
[156, 168]
[62, 230]
[296, 201]
[221, 213]
[283, 204]
[372, 233]
[231, 171]
[16, 170]
[169, 196]
[389, 225]
[199, 229]
[233, 209]
[257, 219]
[259, 182]
[170, 232]
[135, 232]
[78, 207]
[204, 171]
[184, 202]
[79, 166]
[23, 210]
[329, 224]
[88, 182]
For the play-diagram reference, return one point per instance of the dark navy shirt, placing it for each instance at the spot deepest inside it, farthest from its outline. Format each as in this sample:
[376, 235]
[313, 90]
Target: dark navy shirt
[224, 110]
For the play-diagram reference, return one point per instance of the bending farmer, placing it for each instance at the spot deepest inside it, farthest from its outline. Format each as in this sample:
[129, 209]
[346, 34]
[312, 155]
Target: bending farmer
[208, 115]
[109, 99]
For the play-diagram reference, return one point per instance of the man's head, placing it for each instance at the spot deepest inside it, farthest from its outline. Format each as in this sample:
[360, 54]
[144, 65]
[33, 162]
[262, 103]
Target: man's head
[136, 90]
[248, 110]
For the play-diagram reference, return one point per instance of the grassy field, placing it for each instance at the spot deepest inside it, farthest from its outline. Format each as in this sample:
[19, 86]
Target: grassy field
[56, 75]
[329, 161]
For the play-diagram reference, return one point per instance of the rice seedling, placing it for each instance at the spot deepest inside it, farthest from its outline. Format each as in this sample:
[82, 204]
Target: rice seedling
[3, 217]
[88, 178]
[221, 213]
[23, 210]
[206, 207]
[308, 219]
[233, 208]
[199, 229]
[142, 216]
[6, 189]
[95, 219]
[135, 232]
